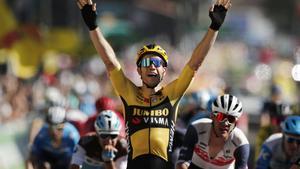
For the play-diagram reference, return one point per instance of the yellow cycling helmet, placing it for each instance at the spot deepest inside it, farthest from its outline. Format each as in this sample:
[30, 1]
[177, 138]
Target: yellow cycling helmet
[152, 49]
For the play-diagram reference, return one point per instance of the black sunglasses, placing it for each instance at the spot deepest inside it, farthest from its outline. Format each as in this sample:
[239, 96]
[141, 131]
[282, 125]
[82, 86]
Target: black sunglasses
[292, 140]
[57, 127]
[105, 136]
[146, 62]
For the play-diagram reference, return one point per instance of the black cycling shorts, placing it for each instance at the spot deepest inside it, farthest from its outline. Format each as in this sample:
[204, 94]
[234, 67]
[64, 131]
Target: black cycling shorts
[149, 161]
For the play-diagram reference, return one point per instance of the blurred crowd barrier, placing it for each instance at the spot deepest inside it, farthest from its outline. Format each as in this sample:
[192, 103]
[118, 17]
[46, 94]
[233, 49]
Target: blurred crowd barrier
[14, 144]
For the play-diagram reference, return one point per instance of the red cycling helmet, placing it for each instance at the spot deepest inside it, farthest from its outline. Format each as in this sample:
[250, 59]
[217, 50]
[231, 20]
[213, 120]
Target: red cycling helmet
[105, 103]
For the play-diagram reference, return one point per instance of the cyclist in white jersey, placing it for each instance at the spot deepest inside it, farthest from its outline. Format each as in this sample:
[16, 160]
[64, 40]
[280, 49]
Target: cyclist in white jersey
[281, 150]
[103, 149]
[216, 143]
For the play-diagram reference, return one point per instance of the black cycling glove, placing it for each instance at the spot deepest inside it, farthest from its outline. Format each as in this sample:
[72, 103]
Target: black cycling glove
[89, 16]
[217, 17]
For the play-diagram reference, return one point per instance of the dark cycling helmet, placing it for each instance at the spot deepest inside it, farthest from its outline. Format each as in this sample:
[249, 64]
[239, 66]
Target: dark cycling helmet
[291, 125]
[152, 49]
[105, 103]
[56, 115]
[108, 122]
[275, 90]
[229, 105]
[203, 99]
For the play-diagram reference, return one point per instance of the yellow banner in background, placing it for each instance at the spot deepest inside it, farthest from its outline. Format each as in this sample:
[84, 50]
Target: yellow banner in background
[62, 40]
[51, 62]
[8, 21]
[3, 55]
[25, 57]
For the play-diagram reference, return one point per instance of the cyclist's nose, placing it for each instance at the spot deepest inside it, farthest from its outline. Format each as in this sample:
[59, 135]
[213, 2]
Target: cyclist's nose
[152, 66]
[225, 122]
[110, 142]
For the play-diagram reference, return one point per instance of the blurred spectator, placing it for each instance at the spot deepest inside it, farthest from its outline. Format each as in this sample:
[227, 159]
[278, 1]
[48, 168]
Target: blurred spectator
[273, 113]
[16, 100]
[272, 108]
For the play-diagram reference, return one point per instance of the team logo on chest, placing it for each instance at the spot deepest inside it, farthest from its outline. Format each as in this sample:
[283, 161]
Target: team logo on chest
[158, 116]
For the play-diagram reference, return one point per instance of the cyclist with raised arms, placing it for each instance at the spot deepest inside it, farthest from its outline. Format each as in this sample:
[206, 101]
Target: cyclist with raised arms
[282, 150]
[103, 148]
[54, 144]
[150, 110]
[216, 143]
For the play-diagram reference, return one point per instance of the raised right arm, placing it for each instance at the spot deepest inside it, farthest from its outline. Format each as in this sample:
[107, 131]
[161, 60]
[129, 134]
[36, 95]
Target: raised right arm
[104, 49]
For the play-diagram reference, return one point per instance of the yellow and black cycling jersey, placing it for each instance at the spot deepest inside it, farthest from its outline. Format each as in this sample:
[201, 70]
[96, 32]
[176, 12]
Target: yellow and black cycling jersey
[150, 122]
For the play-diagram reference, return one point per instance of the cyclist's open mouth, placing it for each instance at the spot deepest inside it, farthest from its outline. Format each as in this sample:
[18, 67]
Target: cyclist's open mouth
[152, 75]
[224, 129]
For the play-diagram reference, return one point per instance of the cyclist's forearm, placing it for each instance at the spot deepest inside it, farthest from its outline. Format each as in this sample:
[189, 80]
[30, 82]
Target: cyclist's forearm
[110, 165]
[202, 49]
[104, 49]
[181, 165]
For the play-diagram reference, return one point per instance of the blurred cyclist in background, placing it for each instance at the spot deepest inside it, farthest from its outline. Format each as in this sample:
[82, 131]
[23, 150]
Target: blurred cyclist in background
[103, 148]
[273, 112]
[150, 110]
[52, 97]
[216, 142]
[203, 99]
[53, 145]
[281, 150]
[103, 103]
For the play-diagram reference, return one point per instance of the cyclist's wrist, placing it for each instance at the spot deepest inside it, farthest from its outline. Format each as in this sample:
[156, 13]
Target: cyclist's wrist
[109, 161]
[108, 156]
[217, 16]
[89, 16]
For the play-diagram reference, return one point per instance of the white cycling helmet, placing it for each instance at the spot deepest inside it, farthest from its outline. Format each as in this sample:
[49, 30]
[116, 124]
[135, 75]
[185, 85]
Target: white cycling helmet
[53, 97]
[228, 104]
[107, 122]
[56, 115]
